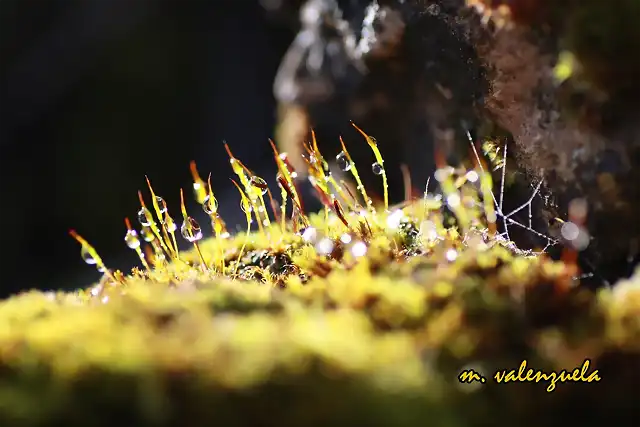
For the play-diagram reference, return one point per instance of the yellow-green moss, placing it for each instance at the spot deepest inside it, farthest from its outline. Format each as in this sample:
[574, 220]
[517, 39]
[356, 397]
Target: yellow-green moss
[290, 334]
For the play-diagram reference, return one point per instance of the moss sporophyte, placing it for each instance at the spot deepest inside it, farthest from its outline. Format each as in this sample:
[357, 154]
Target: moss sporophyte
[283, 242]
[362, 313]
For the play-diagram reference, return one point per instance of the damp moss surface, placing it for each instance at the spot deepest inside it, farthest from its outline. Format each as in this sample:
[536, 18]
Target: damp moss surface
[364, 314]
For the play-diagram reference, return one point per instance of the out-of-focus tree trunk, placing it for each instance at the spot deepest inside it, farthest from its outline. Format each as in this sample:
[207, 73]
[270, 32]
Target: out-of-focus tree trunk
[495, 62]
[564, 84]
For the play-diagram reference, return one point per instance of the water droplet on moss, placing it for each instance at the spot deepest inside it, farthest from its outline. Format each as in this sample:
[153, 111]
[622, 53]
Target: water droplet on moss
[259, 184]
[451, 255]
[343, 161]
[324, 246]
[210, 205]
[144, 216]
[394, 219]
[309, 234]
[170, 224]
[147, 234]
[359, 249]
[87, 257]
[245, 206]
[162, 205]
[190, 230]
[377, 168]
[453, 200]
[131, 239]
[346, 238]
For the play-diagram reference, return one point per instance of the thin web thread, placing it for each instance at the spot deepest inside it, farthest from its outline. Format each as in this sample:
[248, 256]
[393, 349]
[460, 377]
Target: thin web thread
[499, 202]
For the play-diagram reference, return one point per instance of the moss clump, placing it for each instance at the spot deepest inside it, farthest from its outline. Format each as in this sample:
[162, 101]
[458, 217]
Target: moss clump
[359, 316]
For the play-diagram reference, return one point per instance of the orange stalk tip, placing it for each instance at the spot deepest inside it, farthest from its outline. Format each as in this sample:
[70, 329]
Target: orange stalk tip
[273, 147]
[194, 170]
[127, 223]
[226, 147]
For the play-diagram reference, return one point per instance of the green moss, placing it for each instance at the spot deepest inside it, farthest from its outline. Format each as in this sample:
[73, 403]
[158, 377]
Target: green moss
[373, 330]
[377, 349]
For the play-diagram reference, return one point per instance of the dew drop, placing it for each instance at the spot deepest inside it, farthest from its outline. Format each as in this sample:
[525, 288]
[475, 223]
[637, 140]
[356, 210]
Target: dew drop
[429, 230]
[87, 257]
[324, 246]
[190, 230]
[472, 176]
[101, 269]
[162, 205]
[451, 255]
[433, 9]
[309, 234]
[210, 205]
[170, 224]
[131, 239]
[395, 218]
[453, 200]
[259, 184]
[345, 238]
[570, 231]
[143, 216]
[377, 168]
[147, 234]
[245, 205]
[343, 161]
[359, 249]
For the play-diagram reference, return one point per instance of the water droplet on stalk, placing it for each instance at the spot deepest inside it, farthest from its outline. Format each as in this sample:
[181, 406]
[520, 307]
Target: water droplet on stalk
[377, 168]
[144, 216]
[162, 205]
[170, 224]
[147, 234]
[343, 161]
[190, 230]
[131, 239]
[259, 184]
[87, 257]
[245, 206]
[210, 205]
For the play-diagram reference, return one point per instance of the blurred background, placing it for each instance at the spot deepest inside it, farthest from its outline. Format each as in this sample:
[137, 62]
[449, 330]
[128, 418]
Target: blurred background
[94, 94]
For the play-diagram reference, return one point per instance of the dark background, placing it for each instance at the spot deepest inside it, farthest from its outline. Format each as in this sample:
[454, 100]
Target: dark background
[94, 94]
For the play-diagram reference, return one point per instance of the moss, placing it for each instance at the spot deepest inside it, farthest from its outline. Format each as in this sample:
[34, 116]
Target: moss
[360, 316]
